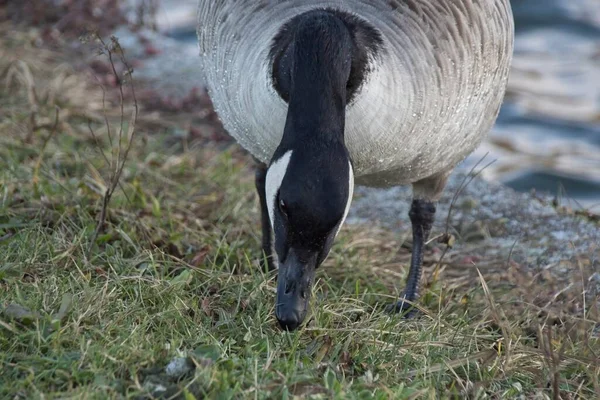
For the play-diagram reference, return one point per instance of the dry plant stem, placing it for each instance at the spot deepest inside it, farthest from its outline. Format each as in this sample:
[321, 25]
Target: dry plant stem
[109, 133]
[463, 185]
[118, 160]
[32, 96]
[44, 145]
[98, 144]
[105, 117]
[498, 317]
[465, 182]
[553, 361]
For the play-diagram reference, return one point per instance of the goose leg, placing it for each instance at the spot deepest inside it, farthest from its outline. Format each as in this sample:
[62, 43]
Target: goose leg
[422, 215]
[259, 180]
[426, 193]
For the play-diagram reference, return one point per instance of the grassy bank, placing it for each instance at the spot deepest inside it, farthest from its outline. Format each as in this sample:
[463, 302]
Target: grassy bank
[165, 297]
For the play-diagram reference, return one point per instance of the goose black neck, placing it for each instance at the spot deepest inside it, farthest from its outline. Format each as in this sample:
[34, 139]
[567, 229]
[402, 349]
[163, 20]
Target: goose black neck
[313, 75]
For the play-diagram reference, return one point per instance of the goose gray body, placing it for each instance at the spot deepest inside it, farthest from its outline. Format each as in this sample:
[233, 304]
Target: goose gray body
[328, 93]
[431, 95]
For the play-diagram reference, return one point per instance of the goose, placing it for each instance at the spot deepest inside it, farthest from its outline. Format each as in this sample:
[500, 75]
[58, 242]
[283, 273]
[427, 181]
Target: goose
[326, 94]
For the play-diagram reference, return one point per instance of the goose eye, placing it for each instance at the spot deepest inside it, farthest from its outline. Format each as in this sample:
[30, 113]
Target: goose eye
[282, 207]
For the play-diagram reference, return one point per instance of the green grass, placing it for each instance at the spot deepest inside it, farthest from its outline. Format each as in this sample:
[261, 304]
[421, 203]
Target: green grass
[174, 274]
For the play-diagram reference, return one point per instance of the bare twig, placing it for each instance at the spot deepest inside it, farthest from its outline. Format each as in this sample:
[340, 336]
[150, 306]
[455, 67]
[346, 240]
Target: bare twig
[98, 144]
[119, 155]
[465, 182]
[553, 361]
[498, 316]
[447, 238]
[106, 123]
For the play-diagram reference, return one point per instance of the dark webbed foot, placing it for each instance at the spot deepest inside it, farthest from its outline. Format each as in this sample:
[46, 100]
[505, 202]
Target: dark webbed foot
[422, 215]
[404, 308]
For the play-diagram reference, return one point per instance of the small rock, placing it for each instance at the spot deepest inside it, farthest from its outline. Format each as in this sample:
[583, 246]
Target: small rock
[20, 314]
[179, 367]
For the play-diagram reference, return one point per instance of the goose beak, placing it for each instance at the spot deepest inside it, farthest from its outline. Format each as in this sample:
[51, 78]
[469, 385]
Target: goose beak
[294, 284]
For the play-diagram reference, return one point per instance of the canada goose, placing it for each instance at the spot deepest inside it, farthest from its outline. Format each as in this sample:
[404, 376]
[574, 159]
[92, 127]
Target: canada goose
[326, 93]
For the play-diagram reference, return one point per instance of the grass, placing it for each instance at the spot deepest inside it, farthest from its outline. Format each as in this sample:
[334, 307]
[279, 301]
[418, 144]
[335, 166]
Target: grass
[173, 275]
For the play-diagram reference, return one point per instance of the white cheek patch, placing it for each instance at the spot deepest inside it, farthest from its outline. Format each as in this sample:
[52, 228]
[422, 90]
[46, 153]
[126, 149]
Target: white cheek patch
[350, 193]
[275, 175]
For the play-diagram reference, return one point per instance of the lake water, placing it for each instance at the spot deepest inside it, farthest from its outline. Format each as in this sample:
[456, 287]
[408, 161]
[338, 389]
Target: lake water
[547, 136]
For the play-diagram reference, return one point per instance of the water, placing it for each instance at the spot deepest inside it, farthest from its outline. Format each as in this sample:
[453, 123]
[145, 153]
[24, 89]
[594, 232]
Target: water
[548, 133]
[547, 136]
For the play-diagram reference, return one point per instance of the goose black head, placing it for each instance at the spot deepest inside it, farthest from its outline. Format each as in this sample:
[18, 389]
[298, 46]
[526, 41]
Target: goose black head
[320, 59]
[308, 197]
